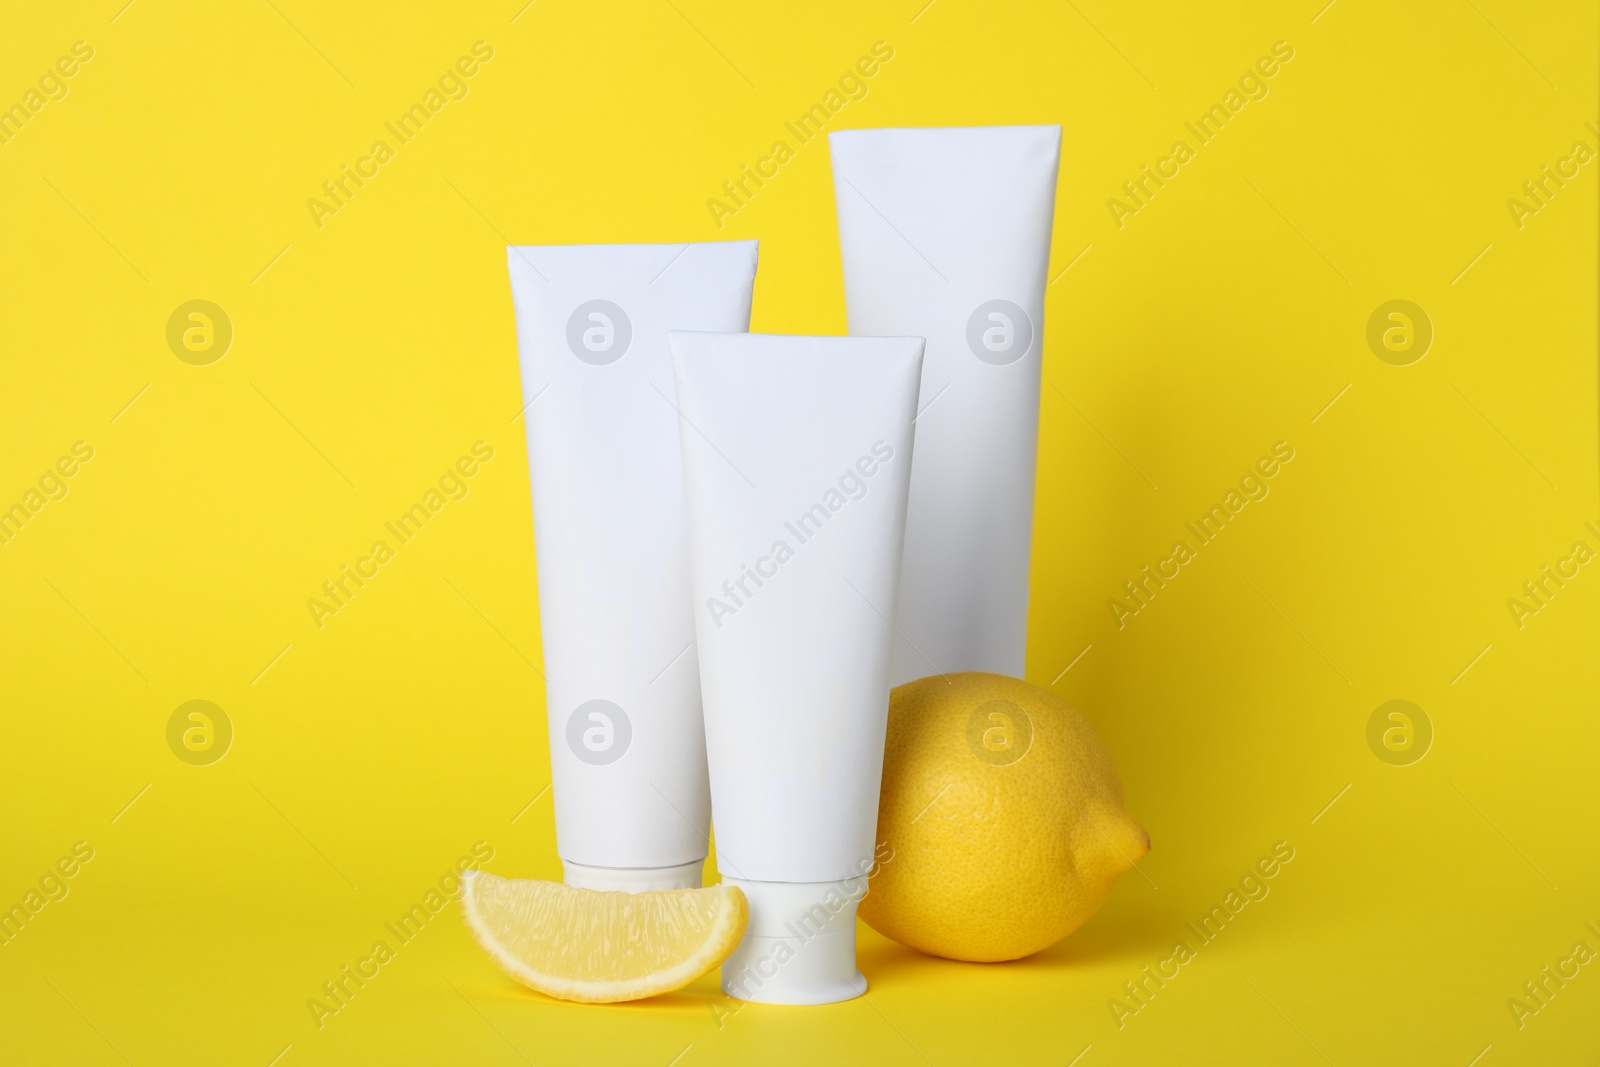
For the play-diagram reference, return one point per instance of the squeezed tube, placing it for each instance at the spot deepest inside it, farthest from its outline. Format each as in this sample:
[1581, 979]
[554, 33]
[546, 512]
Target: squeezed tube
[945, 233]
[796, 456]
[622, 687]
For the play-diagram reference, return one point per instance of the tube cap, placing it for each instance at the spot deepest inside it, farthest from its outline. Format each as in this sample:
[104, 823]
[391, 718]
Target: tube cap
[800, 945]
[633, 879]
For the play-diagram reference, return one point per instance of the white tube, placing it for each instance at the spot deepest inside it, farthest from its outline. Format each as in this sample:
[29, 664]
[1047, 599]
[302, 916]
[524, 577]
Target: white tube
[946, 234]
[622, 686]
[796, 457]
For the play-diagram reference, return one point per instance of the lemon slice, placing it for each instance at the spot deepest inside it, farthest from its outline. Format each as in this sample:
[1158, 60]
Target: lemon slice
[600, 947]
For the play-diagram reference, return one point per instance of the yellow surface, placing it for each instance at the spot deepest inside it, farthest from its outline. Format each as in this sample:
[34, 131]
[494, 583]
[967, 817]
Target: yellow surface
[370, 754]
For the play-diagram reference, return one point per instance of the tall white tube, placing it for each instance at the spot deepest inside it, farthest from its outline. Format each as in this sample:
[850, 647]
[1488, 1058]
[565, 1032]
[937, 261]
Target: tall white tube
[946, 234]
[622, 686]
[796, 456]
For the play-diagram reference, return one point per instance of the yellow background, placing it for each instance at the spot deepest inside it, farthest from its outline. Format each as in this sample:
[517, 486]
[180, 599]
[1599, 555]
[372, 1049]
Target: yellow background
[368, 355]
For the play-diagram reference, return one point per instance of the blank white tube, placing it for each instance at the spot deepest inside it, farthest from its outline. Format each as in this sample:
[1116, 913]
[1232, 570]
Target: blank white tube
[796, 455]
[946, 234]
[622, 687]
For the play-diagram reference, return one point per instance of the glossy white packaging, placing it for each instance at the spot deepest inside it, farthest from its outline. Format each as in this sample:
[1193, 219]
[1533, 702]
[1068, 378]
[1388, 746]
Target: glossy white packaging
[627, 746]
[797, 457]
[945, 234]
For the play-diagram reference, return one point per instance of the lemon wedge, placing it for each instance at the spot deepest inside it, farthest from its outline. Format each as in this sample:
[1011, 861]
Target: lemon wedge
[601, 947]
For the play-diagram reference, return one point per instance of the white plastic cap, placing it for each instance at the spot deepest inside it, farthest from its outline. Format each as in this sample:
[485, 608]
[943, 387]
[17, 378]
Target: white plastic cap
[800, 945]
[633, 879]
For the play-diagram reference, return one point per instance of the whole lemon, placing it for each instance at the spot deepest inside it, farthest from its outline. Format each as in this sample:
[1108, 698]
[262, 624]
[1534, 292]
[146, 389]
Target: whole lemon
[1004, 813]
